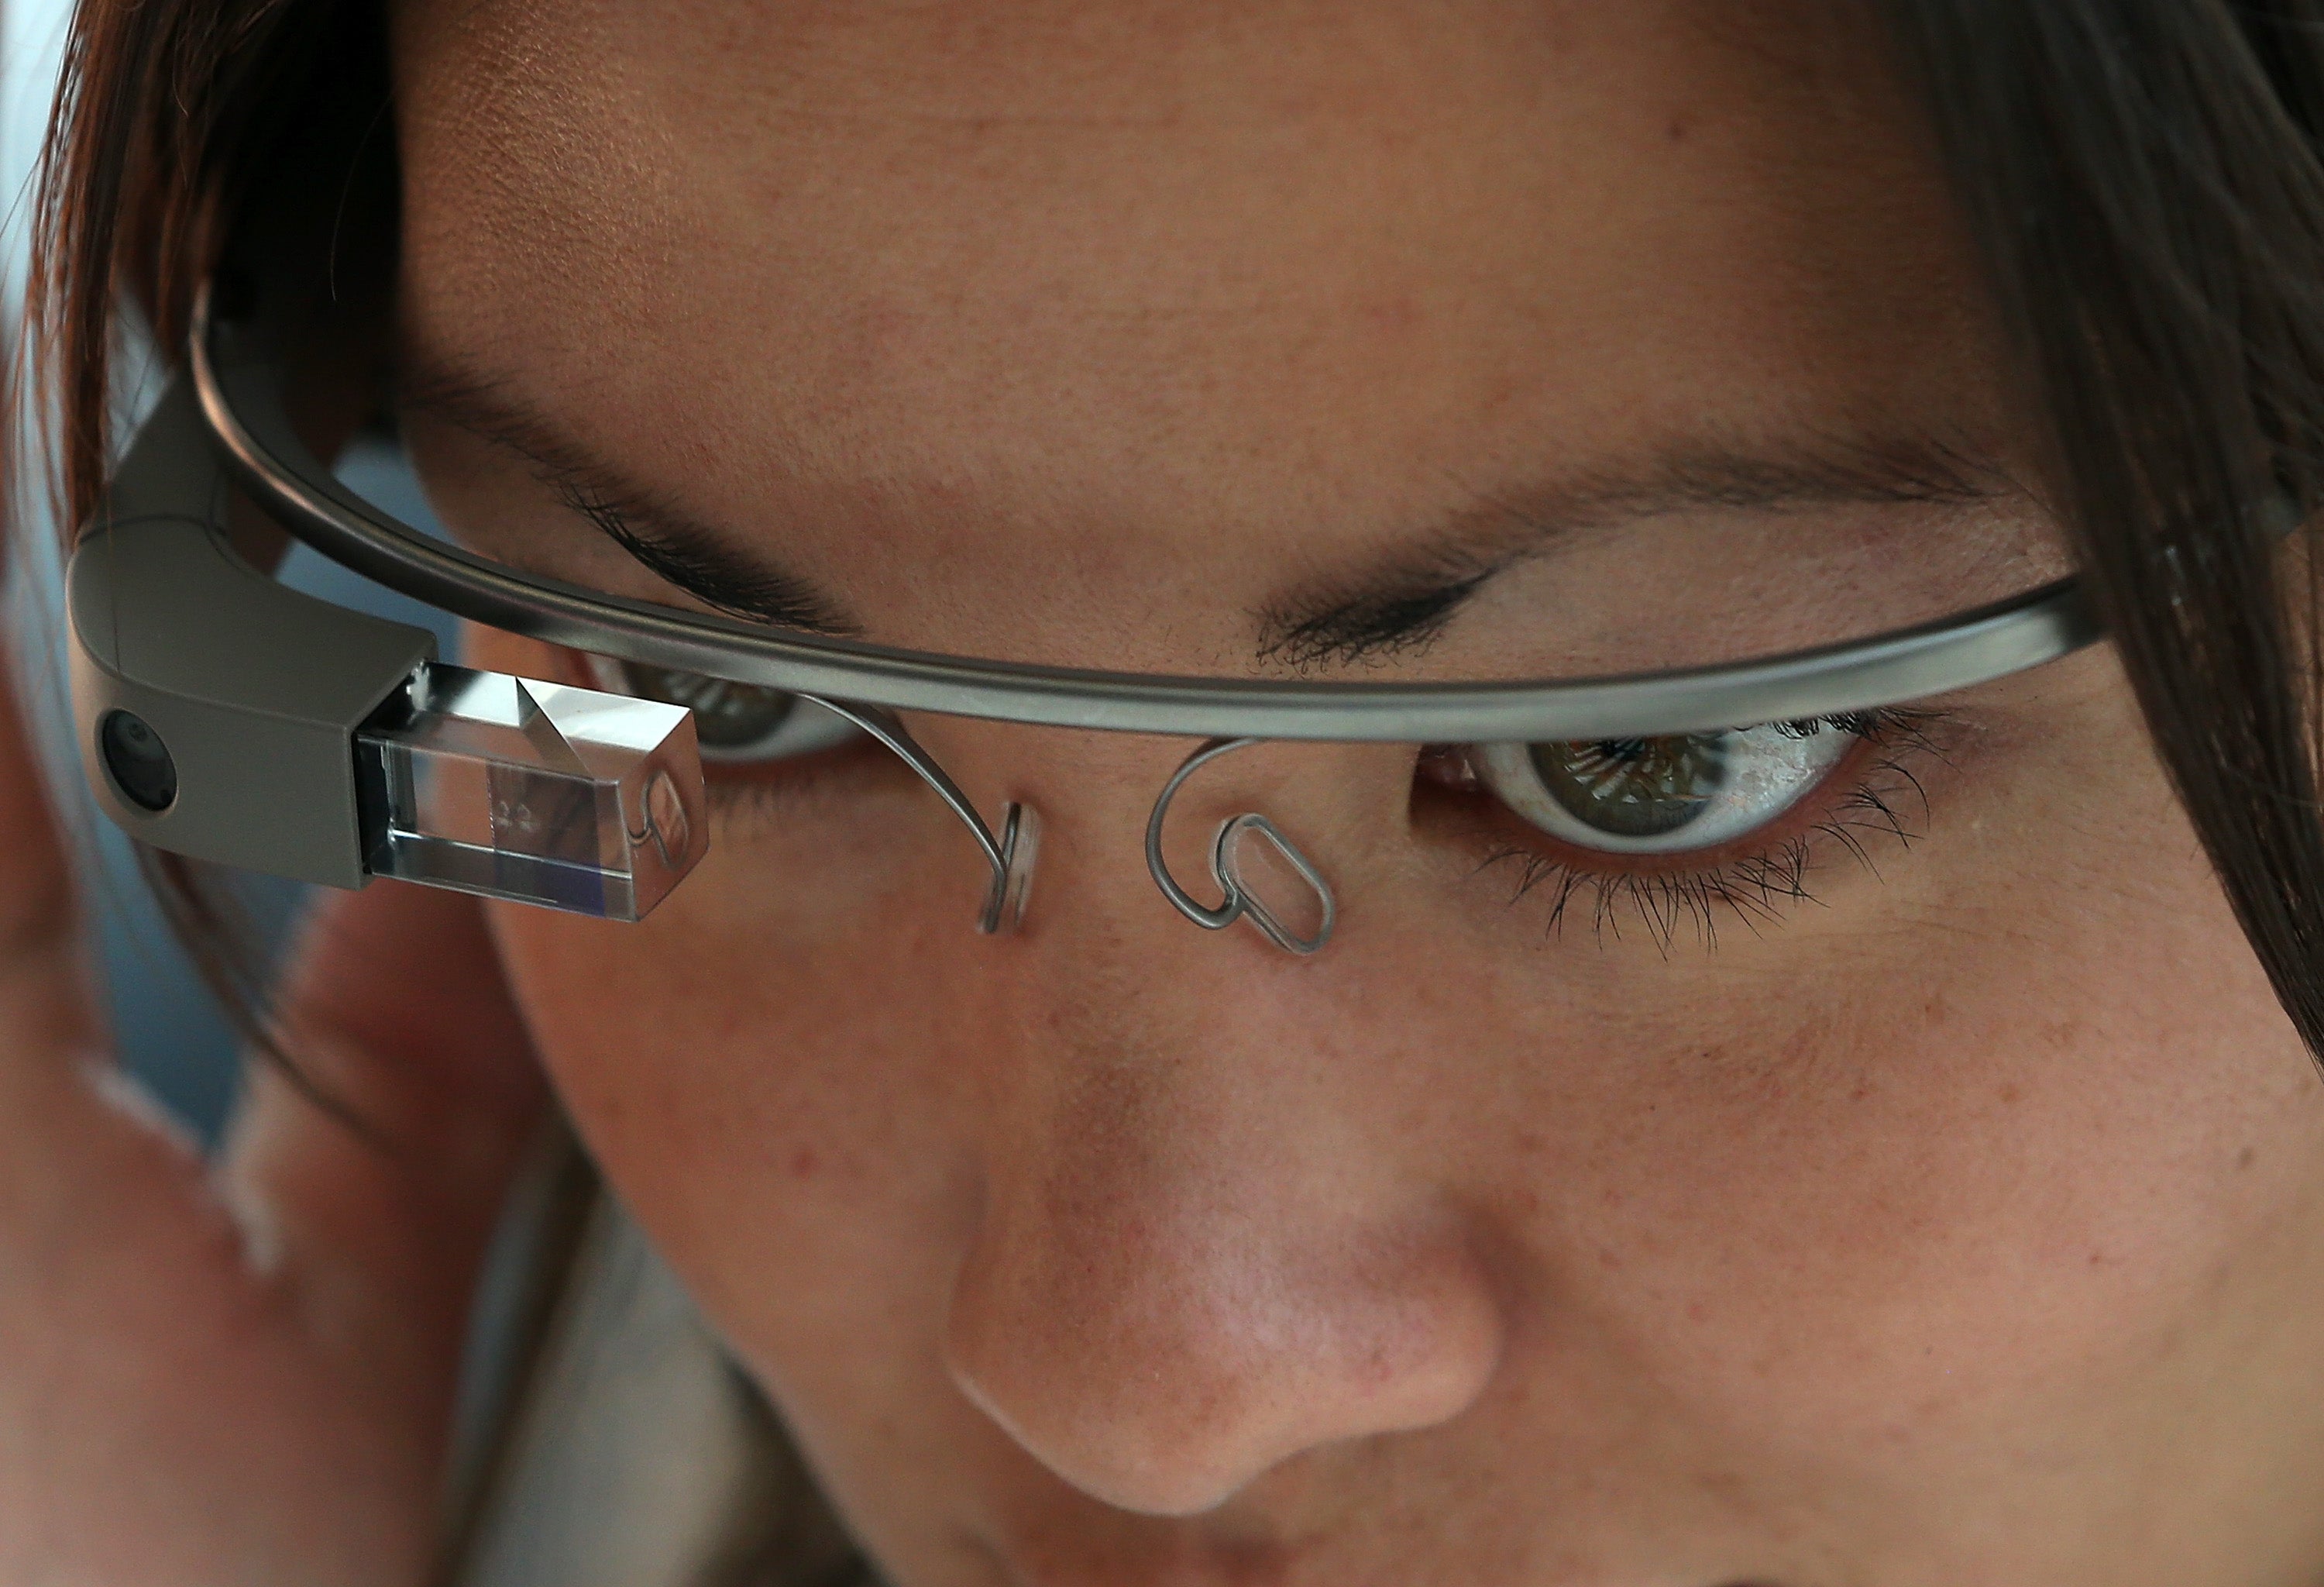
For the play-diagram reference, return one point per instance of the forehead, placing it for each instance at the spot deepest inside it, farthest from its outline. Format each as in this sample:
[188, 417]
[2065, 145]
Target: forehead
[1147, 265]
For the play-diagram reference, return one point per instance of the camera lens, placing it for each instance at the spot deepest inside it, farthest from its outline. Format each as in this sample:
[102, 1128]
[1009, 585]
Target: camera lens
[138, 759]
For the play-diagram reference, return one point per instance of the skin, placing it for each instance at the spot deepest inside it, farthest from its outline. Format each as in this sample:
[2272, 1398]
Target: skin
[1961, 1226]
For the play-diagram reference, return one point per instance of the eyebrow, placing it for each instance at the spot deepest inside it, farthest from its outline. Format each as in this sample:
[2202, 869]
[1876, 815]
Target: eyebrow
[1404, 604]
[674, 547]
[1400, 606]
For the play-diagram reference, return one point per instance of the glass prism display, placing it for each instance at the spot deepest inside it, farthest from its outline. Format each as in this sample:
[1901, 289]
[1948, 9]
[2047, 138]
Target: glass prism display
[541, 793]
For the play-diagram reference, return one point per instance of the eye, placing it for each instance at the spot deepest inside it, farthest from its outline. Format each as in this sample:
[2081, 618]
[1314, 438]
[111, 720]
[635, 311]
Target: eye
[1662, 795]
[733, 723]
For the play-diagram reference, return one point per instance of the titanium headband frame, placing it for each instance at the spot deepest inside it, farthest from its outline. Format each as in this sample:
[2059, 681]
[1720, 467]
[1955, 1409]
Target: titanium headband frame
[235, 378]
[240, 387]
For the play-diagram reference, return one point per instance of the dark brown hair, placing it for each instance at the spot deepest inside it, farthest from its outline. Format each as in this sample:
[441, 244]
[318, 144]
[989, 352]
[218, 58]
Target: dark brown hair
[2143, 176]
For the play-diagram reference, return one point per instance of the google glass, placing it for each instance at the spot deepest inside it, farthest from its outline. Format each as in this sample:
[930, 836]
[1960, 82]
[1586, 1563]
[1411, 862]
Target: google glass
[226, 717]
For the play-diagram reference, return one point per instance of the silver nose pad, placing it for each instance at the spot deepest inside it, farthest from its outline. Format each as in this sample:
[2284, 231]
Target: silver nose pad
[1261, 874]
[1282, 894]
[1012, 883]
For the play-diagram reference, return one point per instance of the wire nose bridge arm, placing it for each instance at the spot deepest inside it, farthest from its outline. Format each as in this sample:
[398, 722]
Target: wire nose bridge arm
[1238, 898]
[1010, 856]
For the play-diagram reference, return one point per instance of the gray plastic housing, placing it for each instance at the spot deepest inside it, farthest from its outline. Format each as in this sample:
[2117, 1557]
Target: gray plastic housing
[256, 689]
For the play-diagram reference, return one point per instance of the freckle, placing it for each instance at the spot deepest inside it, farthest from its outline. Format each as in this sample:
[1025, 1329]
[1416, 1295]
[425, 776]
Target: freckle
[804, 1162]
[2010, 1094]
[2246, 1158]
[2098, 1259]
[1392, 313]
[1676, 129]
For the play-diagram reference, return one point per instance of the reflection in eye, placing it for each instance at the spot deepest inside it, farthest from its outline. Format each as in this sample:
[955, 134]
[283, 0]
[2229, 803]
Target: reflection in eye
[1662, 795]
[733, 723]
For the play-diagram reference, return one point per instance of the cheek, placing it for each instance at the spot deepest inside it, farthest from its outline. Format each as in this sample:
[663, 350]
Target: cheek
[778, 1095]
[773, 1055]
[2015, 1183]
[775, 1066]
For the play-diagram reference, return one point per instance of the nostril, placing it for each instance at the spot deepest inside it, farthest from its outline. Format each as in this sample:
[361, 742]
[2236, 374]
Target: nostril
[1162, 1455]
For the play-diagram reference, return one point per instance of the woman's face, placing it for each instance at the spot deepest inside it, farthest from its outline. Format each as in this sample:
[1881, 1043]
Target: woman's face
[1576, 1217]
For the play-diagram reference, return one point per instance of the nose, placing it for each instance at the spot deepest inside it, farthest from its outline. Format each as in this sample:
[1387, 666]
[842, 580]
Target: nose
[1173, 1292]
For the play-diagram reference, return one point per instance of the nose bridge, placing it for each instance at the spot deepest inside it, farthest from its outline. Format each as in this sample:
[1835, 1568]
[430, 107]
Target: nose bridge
[1195, 1258]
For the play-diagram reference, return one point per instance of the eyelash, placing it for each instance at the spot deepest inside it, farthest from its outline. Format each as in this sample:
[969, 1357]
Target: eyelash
[1855, 804]
[739, 789]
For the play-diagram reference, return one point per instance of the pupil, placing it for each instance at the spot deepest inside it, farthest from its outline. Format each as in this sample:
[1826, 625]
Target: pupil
[1635, 787]
[727, 716]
